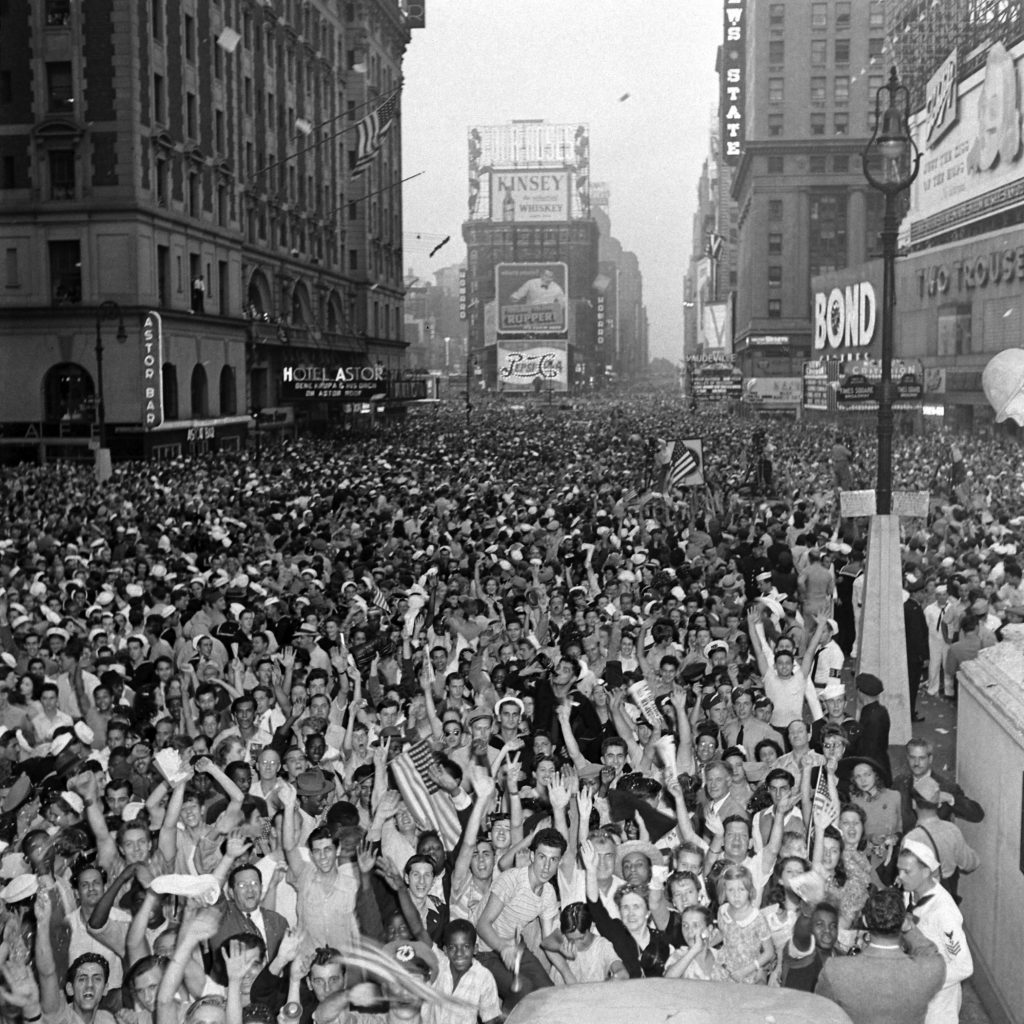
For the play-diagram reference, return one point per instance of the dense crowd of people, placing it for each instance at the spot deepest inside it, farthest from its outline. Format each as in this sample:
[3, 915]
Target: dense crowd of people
[409, 726]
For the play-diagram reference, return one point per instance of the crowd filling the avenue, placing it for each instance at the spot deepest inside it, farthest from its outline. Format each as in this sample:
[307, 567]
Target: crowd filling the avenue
[407, 726]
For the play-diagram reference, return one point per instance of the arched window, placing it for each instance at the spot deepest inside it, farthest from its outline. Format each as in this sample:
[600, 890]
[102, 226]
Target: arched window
[200, 392]
[169, 375]
[68, 394]
[228, 402]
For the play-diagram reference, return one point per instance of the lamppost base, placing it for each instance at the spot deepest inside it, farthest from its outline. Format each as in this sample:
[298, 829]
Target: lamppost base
[104, 468]
[881, 630]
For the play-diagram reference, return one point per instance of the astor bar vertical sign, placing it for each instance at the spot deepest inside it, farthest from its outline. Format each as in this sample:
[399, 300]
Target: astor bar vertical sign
[152, 371]
[734, 80]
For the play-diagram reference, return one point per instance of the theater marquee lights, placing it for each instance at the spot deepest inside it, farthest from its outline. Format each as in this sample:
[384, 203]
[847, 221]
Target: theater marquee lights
[733, 80]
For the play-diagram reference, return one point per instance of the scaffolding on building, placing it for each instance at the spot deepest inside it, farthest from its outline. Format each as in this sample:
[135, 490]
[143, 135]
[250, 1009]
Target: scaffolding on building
[922, 33]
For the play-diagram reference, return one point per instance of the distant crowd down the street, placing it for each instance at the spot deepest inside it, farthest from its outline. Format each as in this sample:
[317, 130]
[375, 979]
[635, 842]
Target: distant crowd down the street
[408, 725]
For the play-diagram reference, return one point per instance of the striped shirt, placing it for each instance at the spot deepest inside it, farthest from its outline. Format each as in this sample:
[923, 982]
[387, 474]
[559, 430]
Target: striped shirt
[521, 905]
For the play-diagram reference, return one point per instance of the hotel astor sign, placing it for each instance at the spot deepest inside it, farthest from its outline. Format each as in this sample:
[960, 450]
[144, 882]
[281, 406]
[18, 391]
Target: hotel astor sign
[319, 383]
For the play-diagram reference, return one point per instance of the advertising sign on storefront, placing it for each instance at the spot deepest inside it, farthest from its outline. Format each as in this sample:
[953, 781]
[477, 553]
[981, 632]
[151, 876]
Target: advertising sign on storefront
[537, 195]
[152, 371]
[531, 299]
[331, 383]
[533, 364]
[970, 168]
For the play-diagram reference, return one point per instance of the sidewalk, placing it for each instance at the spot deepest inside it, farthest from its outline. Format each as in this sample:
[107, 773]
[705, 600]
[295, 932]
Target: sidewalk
[939, 728]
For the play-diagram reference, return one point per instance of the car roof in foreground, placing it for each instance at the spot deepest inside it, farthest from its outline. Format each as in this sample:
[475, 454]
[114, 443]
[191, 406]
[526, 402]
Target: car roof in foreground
[650, 1000]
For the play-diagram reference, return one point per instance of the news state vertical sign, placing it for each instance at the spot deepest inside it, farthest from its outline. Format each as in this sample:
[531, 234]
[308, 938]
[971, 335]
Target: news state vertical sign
[152, 371]
[732, 101]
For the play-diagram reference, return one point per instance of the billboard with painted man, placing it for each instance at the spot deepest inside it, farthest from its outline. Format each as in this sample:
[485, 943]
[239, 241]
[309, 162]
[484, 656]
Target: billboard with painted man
[532, 299]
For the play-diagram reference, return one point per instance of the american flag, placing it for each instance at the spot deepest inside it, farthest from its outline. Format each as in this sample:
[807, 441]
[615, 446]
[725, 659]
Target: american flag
[426, 803]
[679, 464]
[377, 598]
[824, 798]
[370, 131]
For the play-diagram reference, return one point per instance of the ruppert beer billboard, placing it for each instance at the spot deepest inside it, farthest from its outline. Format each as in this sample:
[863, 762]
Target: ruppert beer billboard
[532, 299]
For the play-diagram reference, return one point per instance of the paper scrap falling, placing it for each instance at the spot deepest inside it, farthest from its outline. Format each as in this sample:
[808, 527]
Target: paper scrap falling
[624, 97]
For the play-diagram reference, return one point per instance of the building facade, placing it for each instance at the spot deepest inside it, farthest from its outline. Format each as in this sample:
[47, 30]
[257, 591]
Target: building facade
[960, 275]
[810, 74]
[532, 258]
[184, 168]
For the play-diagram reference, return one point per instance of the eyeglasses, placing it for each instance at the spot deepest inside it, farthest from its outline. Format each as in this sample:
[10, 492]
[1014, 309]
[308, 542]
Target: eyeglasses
[453, 732]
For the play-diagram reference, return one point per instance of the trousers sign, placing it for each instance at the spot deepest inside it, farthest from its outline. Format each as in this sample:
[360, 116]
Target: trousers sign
[845, 317]
[152, 371]
[319, 383]
[995, 267]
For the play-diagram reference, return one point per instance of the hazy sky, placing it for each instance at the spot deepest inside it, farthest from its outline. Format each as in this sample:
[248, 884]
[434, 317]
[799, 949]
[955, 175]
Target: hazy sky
[490, 61]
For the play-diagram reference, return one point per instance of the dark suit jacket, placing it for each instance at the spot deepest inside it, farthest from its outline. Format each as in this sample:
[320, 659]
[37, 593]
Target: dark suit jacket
[916, 627]
[234, 922]
[963, 806]
[873, 740]
[881, 987]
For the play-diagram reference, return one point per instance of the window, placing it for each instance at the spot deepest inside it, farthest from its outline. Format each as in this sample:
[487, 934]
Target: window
[841, 164]
[818, 91]
[841, 87]
[818, 164]
[68, 394]
[819, 15]
[62, 174]
[842, 14]
[841, 123]
[159, 100]
[247, 92]
[194, 194]
[775, 276]
[190, 115]
[228, 392]
[775, 90]
[775, 213]
[353, 259]
[776, 164]
[776, 51]
[774, 309]
[876, 17]
[8, 173]
[218, 130]
[776, 14]
[169, 379]
[58, 13]
[200, 392]
[818, 124]
[218, 61]
[876, 47]
[842, 51]
[818, 51]
[190, 38]
[158, 19]
[60, 95]
[775, 237]
[827, 235]
[775, 125]
[12, 278]
[66, 271]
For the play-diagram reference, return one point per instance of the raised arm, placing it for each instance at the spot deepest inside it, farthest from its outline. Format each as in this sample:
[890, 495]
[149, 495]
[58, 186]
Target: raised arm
[51, 997]
[483, 788]
[200, 928]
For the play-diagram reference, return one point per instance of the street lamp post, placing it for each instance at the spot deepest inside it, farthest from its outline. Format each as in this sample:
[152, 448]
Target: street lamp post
[470, 363]
[892, 145]
[108, 310]
[891, 162]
